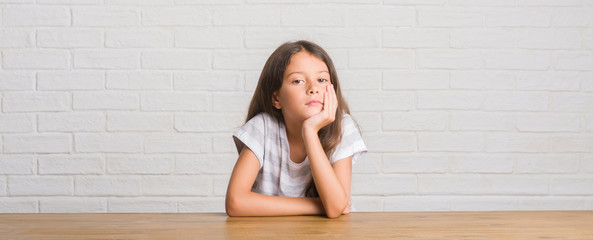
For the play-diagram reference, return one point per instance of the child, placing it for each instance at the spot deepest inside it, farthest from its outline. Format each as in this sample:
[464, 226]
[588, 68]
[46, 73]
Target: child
[299, 142]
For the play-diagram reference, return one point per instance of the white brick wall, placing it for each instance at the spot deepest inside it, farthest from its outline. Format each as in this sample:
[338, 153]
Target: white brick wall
[129, 105]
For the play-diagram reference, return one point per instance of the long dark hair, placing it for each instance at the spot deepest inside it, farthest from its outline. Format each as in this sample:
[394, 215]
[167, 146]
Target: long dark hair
[270, 81]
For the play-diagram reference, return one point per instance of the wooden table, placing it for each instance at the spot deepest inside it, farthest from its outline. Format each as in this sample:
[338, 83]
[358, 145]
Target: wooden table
[417, 225]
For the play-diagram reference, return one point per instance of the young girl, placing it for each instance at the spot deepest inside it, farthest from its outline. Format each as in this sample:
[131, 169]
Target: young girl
[299, 142]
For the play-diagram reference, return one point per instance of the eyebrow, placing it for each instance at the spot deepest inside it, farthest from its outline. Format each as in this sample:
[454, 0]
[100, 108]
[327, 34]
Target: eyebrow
[302, 73]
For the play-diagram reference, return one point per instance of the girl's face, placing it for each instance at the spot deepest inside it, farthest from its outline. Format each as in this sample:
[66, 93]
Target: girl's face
[304, 83]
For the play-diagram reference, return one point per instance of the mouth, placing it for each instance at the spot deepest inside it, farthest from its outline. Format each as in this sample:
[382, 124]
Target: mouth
[314, 103]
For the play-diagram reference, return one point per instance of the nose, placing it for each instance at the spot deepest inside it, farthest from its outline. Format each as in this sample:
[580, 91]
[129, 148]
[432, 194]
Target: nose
[313, 88]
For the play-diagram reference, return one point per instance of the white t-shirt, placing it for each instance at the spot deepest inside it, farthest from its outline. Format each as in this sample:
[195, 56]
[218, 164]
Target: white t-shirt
[278, 175]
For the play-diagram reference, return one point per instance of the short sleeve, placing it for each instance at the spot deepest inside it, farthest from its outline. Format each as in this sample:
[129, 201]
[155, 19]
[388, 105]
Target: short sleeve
[351, 144]
[252, 135]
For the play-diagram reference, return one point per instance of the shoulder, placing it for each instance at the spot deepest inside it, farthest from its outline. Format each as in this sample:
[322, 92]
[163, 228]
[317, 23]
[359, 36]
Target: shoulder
[261, 120]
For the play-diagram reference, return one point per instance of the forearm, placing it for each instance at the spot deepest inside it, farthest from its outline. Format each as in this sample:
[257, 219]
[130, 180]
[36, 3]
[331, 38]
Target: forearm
[255, 204]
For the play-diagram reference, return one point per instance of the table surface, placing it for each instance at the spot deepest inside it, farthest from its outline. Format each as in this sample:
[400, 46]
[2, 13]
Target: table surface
[413, 225]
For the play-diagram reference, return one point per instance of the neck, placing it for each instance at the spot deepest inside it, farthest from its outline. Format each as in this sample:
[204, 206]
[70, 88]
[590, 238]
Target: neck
[294, 131]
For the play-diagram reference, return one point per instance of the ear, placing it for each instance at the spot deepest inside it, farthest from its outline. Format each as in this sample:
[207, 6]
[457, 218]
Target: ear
[275, 100]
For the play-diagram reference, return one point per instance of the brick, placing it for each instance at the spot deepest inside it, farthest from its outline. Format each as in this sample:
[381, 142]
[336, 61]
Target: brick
[71, 80]
[272, 37]
[383, 184]
[106, 59]
[573, 61]
[36, 102]
[573, 185]
[347, 38]
[360, 80]
[571, 102]
[205, 163]
[239, 60]
[36, 59]
[222, 143]
[15, 38]
[381, 59]
[572, 17]
[207, 122]
[111, 186]
[549, 3]
[553, 81]
[209, 80]
[449, 59]
[390, 142]
[482, 184]
[176, 185]
[139, 121]
[450, 142]
[105, 17]
[198, 205]
[415, 38]
[16, 123]
[69, 38]
[153, 164]
[481, 163]
[175, 101]
[516, 101]
[178, 59]
[16, 164]
[200, 2]
[108, 143]
[500, 3]
[571, 143]
[177, 143]
[487, 80]
[143, 2]
[106, 100]
[370, 163]
[415, 121]
[18, 205]
[524, 17]
[17, 80]
[484, 38]
[73, 205]
[402, 80]
[71, 122]
[516, 142]
[71, 164]
[312, 16]
[549, 39]
[40, 186]
[449, 100]
[416, 204]
[382, 101]
[141, 205]
[517, 60]
[414, 163]
[537, 122]
[143, 80]
[587, 165]
[386, 16]
[247, 16]
[449, 17]
[547, 163]
[36, 16]
[589, 122]
[414, 2]
[221, 38]
[176, 16]
[220, 184]
[588, 39]
[482, 121]
[139, 38]
[231, 102]
[368, 121]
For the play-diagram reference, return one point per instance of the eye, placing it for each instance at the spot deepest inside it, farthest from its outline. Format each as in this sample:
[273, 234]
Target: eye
[297, 81]
[322, 80]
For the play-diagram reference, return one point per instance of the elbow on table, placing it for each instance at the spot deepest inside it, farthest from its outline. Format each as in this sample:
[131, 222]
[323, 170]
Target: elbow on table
[232, 207]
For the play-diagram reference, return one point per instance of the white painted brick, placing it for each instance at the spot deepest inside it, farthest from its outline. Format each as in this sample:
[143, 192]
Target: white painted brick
[223, 144]
[381, 58]
[139, 121]
[416, 204]
[176, 16]
[340, 58]
[36, 16]
[105, 16]
[415, 38]
[175, 101]
[450, 142]
[272, 37]
[70, 80]
[205, 163]
[516, 142]
[524, 17]
[549, 3]
[37, 143]
[538, 122]
[587, 165]
[40, 186]
[139, 38]
[481, 163]
[414, 163]
[571, 143]
[449, 17]
[589, 122]
[482, 184]
[201, 2]
[347, 37]
[490, 80]
[387, 16]
[141, 205]
[176, 59]
[390, 142]
[500, 3]
[135, 2]
[177, 143]
[107, 186]
[549, 39]
[16, 123]
[35, 59]
[367, 184]
[17, 164]
[15, 38]
[370, 163]
[71, 122]
[571, 102]
[517, 60]
[18, 205]
[588, 39]
[69, 38]
[381, 101]
[220, 38]
[313, 16]
[17, 80]
[573, 61]
[231, 102]
[207, 122]
[415, 121]
[554, 81]
[572, 17]
[239, 60]
[2, 189]
[571, 185]
[107, 59]
[176, 185]
[72, 205]
[87, 2]
[149, 164]
[367, 204]
[449, 59]
[247, 16]
[360, 79]
[220, 184]
[209, 80]
[484, 38]
[547, 163]
[198, 205]
[449, 100]
[368, 121]
[144, 80]
[482, 121]
[110, 143]
[414, 2]
[515, 101]
[106, 100]
[71, 164]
